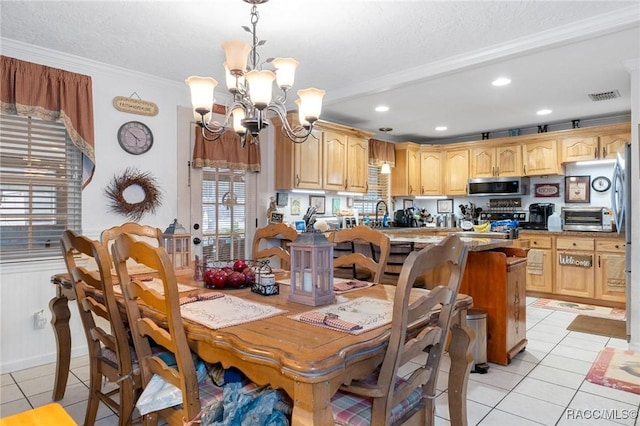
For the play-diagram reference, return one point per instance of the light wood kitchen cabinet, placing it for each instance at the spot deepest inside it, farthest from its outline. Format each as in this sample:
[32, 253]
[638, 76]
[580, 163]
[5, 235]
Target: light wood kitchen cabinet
[540, 277]
[540, 158]
[496, 161]
[298, 165]
[610, 266]
[456, 172]
[575, 267]
[335, 161]
[357, 164]
[405, 176]
[431, 173]
[579, 148]
[610, 144]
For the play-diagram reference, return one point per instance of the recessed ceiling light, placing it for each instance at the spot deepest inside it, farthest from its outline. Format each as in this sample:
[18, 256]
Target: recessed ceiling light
[385, 129]
[441, 128]
[502, 81]
[382, 108]
[544, 112]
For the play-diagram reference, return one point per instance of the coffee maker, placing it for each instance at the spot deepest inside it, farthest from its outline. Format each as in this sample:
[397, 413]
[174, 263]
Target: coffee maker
[538, 215]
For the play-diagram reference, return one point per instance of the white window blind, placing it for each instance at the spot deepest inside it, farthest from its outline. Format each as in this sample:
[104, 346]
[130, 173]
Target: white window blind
[224, 211]
[40, 187]
[378, 190]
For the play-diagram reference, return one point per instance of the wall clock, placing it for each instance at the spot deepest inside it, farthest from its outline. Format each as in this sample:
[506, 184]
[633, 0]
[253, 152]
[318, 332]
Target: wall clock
[601, 184]
[135, 137]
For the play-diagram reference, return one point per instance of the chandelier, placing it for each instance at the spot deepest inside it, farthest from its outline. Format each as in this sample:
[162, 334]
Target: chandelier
[251, 88]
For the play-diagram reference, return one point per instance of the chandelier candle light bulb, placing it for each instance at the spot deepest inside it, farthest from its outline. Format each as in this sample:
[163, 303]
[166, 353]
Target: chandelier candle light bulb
[252, 90]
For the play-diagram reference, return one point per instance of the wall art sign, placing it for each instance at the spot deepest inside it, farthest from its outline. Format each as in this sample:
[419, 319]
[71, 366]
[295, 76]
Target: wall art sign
[581, 261]
[276, 217]
[135, 106]
[547, 190]
[577, 189]
[445, 206]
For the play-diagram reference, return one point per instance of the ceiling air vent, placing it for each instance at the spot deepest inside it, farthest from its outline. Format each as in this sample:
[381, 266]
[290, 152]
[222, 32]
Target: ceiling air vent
[604, 96]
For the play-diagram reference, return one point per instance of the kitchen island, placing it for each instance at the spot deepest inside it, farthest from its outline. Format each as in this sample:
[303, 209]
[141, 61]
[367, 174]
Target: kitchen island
[495, 277]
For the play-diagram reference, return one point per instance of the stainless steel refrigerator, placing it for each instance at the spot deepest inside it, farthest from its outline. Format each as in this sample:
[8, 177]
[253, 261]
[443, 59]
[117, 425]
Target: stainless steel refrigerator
[621, 204]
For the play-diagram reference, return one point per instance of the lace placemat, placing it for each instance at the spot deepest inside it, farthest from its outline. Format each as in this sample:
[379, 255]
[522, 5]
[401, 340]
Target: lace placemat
[366, 312]
[340, 285]
[156, 284]
[227, 311]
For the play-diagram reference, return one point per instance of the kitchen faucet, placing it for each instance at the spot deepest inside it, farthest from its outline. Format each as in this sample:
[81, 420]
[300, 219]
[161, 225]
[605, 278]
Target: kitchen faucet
[386, 209]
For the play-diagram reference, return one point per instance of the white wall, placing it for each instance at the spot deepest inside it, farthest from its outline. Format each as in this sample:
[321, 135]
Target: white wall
[25, 286]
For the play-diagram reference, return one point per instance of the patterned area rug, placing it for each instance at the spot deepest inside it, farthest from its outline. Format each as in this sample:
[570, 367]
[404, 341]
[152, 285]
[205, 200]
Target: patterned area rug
[581, 309]
[618, 369]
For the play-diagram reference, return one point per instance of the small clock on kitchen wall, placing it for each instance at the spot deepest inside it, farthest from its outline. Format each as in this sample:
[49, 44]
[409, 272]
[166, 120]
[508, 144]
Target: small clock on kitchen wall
[135, 137]
[601, 184]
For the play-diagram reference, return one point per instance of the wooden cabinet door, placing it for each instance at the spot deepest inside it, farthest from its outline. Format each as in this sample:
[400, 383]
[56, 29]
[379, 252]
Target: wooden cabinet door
[335, 161]
[542, 281]
[516, 305]
[610, 284]
[357, 164]
[307, 162]
[541, 158]
[580, 148]
[413, 172]
[430, 173]
[457, 172]
[482, 162]
[609, 145]
[571, 279]
[508, 160]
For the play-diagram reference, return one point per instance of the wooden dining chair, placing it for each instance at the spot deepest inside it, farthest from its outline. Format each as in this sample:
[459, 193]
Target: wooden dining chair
[110, 355]
[384, 398]
[371, 239]
[173, 338]
[275, 230]
[147, 233]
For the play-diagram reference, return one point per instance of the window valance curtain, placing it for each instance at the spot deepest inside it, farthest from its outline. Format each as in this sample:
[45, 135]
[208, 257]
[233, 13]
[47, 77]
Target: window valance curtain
[381, 152]
[51, 94]
[226, 153]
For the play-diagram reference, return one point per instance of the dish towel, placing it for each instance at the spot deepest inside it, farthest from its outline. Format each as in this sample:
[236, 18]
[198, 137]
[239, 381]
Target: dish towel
[199, 297]
[535, 262]
[328, 320]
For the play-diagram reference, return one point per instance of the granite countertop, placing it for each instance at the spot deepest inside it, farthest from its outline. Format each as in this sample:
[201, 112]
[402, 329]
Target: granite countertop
[474, 243]
[522, 232]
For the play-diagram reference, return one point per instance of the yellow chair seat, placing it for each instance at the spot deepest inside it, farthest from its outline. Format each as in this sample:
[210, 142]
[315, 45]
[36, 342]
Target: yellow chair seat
[50, 415]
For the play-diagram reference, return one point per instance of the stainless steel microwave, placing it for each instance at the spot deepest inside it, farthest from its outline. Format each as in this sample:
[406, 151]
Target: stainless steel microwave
[498, 186]
[596, 219]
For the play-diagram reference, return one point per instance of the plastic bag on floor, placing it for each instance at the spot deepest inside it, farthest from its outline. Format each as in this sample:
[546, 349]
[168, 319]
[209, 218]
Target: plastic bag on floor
[248, 406]
[159, 394]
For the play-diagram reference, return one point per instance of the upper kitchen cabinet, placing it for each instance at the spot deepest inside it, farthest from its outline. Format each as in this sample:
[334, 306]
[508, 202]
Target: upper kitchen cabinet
[298, 165]
[597, 143]
[540, 157]
[334, 158]
[431, 173]
[405, 176]
[345, 158]
[488, 161]
[456, 171]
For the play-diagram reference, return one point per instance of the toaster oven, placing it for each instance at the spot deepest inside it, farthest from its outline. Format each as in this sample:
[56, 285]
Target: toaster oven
[596, 219]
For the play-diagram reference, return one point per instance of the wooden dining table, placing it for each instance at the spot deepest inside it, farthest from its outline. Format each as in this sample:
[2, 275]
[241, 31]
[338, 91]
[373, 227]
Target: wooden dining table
[308, 362]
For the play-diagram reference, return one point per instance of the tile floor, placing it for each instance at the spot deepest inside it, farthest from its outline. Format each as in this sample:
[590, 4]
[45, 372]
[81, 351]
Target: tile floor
[543, 385]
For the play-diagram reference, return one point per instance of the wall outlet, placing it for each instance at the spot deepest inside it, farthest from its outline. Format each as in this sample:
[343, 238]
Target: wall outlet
[39, 320]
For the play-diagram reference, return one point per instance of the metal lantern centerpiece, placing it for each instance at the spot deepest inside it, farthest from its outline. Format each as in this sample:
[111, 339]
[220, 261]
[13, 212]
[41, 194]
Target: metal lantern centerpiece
[176, 241]
[311, 269]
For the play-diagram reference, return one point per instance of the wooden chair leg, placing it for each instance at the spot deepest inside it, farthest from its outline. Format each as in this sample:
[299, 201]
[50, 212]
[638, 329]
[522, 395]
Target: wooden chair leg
[95, 383]
[127, 398]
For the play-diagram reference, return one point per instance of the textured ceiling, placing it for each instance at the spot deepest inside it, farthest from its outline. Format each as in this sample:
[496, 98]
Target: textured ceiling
[431, 62]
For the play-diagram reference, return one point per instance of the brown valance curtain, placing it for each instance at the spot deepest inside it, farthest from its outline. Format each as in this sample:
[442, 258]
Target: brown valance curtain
[381, 152]
[226, 152]
[51, 94]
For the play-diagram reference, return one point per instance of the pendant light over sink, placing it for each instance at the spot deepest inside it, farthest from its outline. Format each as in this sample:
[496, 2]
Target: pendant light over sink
[251, 87]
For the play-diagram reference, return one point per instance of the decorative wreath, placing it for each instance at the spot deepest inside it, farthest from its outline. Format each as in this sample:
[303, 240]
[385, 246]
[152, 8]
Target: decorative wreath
[132, 176]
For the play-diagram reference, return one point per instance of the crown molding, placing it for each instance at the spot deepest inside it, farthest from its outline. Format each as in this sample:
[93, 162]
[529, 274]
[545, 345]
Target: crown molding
[54, 58]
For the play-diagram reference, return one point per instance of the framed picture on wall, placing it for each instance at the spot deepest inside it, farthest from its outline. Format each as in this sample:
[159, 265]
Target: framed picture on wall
[406, 203]
[318, 202]
[577, 189]
[445, 206]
